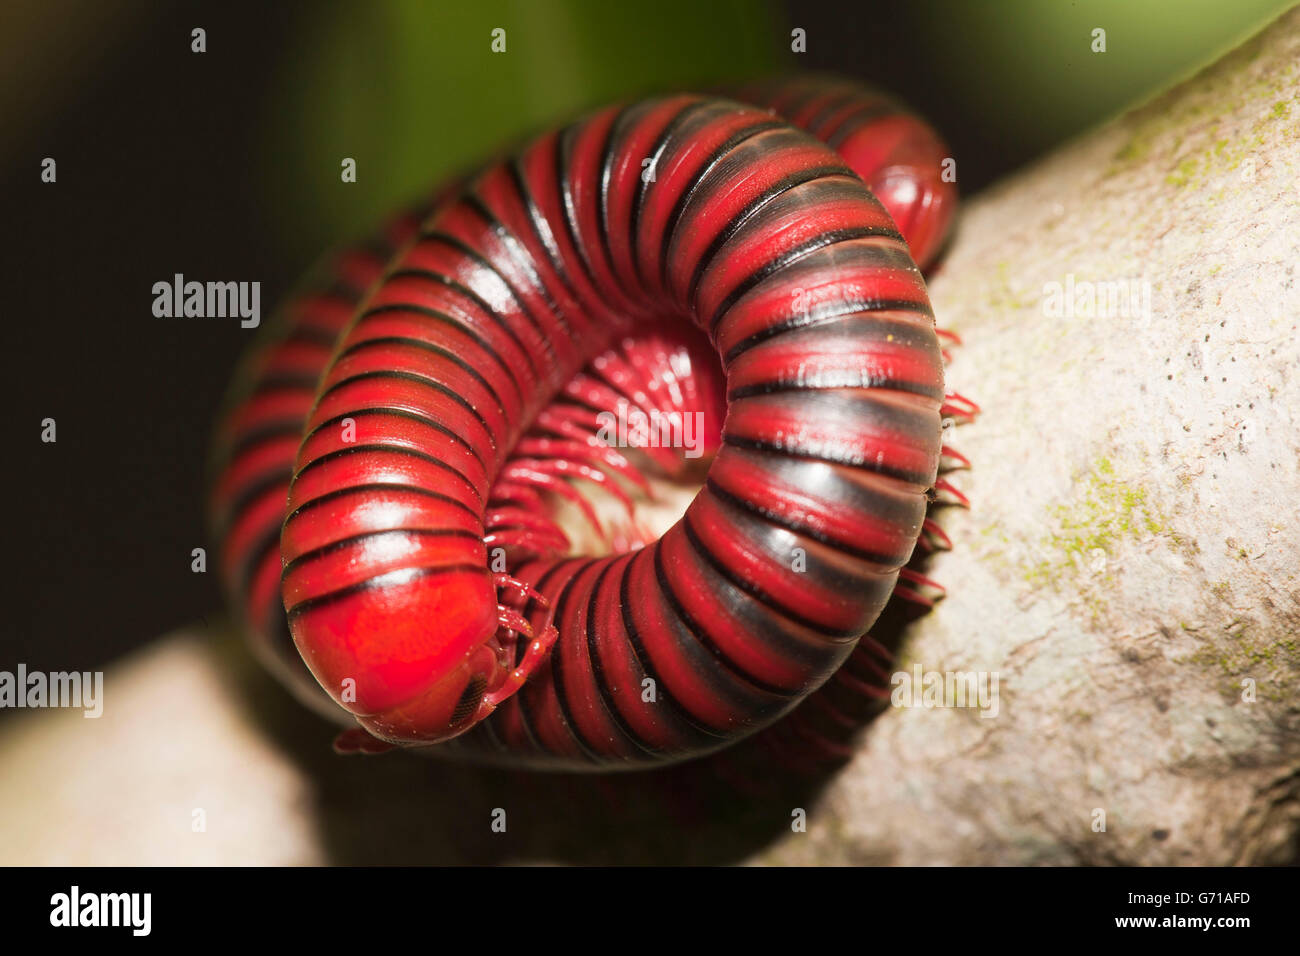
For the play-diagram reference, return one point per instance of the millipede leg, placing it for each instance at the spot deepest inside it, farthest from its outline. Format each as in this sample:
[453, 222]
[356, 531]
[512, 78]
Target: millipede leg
[533, 657]
[505, 581]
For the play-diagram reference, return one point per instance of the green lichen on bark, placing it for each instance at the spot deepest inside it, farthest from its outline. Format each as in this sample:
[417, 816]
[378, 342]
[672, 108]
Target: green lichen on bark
[1103, 512]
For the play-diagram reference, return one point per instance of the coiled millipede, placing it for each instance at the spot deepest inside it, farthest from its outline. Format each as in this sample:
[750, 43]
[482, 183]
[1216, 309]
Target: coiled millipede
[388, 467]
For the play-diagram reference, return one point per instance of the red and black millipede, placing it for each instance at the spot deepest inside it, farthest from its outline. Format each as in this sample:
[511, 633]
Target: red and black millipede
[410, 417]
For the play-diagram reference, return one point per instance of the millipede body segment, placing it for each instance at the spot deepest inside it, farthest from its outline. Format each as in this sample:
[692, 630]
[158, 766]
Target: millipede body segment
[413, 415]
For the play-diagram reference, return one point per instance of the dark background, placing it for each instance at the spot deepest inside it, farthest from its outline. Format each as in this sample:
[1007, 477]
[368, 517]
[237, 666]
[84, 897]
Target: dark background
[224, 166]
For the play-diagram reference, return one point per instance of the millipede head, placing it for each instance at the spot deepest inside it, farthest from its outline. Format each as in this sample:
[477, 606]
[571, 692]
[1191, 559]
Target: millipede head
[374, 653]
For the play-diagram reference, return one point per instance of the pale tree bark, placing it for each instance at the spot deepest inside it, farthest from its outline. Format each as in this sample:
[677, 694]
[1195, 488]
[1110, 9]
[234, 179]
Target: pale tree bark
[1129, 572]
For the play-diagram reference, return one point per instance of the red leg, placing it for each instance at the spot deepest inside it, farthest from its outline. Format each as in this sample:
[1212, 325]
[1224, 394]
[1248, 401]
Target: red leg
[536, 653]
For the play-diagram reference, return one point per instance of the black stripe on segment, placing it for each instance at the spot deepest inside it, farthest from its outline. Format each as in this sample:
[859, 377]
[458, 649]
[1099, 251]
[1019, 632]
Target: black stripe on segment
[854, 121]
[264, 483]
[793, 255]
[692, 627]
[387, 579]
[824, 315]
[614, 136]
[429, 347]
[519, 253]
[430, 383]
[391, 449]
[881, 381]
[557, 662]
[665, 697]
[563, 155]
[334, 547]
[794, 180]
[541, 228]
[458, 324]
[377, 488]
[797, 527]
[661, 143]
[603, 693]
[752, 589]
[847, 414]
[729, 145]
[751, 444]
[436, 425]
[480, 260]
[430, 276]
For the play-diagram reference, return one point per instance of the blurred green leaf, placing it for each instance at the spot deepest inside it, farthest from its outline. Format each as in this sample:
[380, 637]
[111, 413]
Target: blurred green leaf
[412, 91]
[1027, 67]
